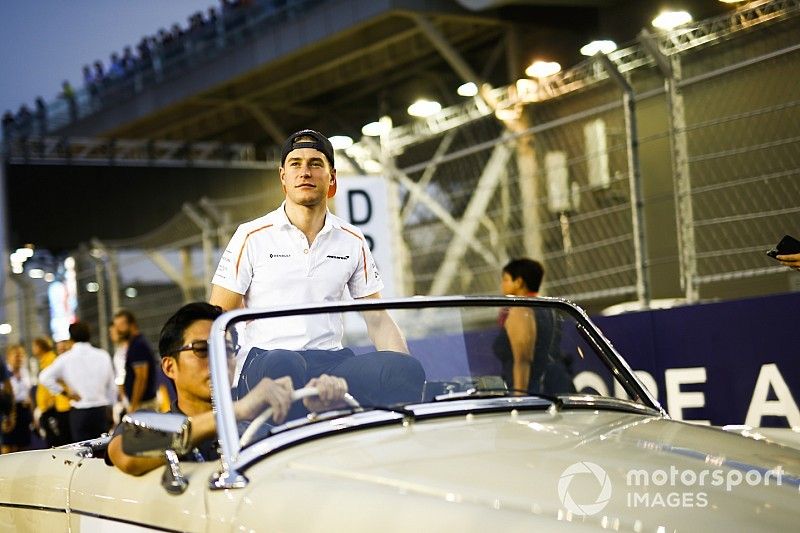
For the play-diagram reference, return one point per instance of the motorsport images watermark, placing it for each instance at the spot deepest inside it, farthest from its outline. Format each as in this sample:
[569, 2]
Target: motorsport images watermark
[585, 488]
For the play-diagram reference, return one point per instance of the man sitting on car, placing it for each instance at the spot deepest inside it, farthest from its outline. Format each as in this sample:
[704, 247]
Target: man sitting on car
[183, 345]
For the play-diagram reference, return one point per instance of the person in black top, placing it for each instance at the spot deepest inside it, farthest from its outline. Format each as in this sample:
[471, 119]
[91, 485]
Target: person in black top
[140, 363]
[529, 344]
[184, 359]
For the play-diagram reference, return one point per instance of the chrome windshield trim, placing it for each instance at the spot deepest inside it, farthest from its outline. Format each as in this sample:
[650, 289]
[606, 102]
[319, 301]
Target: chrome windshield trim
[303, 433]
[475, 405]
[589, 401]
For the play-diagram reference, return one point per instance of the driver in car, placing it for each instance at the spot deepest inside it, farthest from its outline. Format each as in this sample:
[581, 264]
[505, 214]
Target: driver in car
[183, 345]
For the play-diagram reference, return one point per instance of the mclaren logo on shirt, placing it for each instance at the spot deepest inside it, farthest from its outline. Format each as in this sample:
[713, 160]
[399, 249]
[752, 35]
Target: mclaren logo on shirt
[345, 257]
[272, 256]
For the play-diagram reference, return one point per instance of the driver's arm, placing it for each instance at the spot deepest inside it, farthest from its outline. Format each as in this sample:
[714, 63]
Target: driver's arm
[203, 427]
[383, 331]
[225, 298]
[275, 393]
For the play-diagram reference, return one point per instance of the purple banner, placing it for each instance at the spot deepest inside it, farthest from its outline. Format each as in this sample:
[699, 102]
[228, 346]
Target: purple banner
[733, 362]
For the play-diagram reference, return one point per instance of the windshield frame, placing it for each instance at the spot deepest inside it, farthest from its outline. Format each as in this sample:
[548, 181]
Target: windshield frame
[222, 403]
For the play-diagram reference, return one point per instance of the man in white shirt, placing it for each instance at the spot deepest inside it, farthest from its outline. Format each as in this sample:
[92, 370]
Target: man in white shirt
[301, 253]
[85, 374]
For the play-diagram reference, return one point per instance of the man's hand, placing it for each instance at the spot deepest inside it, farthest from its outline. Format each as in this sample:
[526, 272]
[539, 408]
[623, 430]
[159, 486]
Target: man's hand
[790, 260]
[331, 392]
[274, 393]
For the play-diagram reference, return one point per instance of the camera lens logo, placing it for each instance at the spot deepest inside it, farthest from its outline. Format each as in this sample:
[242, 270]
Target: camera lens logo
[584, 509]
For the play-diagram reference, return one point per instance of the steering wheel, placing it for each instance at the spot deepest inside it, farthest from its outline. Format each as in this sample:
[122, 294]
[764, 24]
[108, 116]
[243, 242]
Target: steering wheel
[298, 394]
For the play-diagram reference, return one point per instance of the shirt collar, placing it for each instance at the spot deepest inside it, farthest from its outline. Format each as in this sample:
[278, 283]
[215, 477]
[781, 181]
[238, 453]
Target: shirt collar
[282, 220]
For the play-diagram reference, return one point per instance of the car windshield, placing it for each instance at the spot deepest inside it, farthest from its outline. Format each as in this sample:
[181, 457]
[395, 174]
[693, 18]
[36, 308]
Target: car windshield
[397, 353]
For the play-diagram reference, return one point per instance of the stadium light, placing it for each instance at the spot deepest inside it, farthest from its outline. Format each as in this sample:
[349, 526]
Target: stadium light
[603, 46]
[49, 277]
[341, 142]
[667, 20]
[5, 329]
[131, 292]
[424, 108]
[26, 252]
[92, 286]
[467, 89]
[36, 273]
[542, 69]
[376, 129]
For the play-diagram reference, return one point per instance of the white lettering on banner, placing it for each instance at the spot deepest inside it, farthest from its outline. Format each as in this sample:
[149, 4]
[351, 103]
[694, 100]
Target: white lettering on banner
[364, 202]
[590, 380]
[785, 405]
[678, 400]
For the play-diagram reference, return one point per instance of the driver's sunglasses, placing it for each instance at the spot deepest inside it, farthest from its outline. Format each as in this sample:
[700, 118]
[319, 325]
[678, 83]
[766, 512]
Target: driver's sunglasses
[200, 349]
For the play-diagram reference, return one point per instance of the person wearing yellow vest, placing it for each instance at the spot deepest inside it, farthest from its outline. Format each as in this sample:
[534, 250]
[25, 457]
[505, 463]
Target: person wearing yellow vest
[52, 410]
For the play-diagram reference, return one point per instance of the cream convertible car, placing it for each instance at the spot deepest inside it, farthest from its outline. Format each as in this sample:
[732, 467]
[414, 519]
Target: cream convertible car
[467, 454]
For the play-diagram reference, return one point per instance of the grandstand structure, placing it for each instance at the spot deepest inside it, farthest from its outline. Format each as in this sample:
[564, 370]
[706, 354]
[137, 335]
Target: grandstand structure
[661, 170]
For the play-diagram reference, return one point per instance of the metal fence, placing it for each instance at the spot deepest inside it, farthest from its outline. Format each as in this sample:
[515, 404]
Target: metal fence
[663, 170]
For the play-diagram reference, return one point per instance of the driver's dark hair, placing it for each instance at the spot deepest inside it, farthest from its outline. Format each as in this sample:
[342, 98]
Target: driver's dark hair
[171, 337]
[529, 270]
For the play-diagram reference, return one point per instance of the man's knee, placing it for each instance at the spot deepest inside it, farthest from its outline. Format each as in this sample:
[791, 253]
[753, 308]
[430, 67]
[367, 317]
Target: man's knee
[275, 364]
[403, 377]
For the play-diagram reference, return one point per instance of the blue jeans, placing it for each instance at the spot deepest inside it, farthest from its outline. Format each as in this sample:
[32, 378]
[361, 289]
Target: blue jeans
[374, 379]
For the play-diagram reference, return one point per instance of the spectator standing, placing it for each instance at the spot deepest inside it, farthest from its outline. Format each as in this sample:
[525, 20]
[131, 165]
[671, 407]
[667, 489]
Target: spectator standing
[24, 121]
[41, 117]
[17, 425]
[529, 345]
[52, 410]
[118, 358]
[140, 363]
[9, 128]
[68, 94]
[88, 375]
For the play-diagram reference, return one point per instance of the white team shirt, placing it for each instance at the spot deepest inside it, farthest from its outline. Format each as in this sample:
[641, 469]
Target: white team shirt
[269, 261]
[87, 371]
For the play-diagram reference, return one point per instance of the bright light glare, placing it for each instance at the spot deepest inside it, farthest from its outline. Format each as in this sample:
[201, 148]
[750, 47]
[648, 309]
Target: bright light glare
[25, 252]
[5, 329]
[16, 268]
[424, 108]
[374, 129]
[131, 292]
[667, 20]
[69, 263]
[467, 89]
[92, 286]
[605, 47]
[36, 273]
[341, 142]
[542, 69]
[49, 277]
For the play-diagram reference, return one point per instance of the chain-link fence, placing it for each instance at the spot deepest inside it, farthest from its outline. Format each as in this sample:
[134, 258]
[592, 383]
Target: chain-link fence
[664, 171]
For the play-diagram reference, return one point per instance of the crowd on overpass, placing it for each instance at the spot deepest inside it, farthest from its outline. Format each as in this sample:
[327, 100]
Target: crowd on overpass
[155, 57]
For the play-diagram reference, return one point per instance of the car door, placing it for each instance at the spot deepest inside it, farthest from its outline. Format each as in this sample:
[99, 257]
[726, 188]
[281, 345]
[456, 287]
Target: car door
[101, 498]
[34, 490]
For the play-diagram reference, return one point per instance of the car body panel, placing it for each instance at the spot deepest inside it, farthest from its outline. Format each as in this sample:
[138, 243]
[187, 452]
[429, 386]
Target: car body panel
[426, 473]
[34, 489]
[101, 490]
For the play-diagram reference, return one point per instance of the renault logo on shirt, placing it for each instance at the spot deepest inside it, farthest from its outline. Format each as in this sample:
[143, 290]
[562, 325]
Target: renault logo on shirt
[279, 255]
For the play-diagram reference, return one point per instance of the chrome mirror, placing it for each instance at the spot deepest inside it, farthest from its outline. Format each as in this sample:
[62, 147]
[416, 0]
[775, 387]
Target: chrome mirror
[156, 434]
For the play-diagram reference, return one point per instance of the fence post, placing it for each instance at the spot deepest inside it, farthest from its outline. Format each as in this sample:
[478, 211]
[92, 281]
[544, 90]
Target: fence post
[102, 312]
[635, 179]
[207, 232]
[670, 68]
